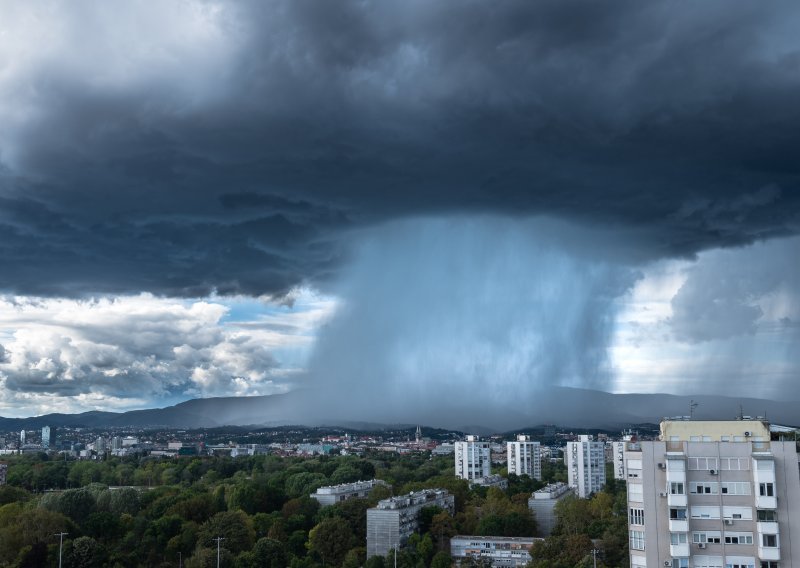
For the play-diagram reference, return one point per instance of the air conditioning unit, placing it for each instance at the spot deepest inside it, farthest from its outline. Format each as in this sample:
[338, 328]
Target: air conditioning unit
[661, 466]
[728, 521]
[667, 562]
[701, 545]
[712, 471]
[748, 434]
[662, 494]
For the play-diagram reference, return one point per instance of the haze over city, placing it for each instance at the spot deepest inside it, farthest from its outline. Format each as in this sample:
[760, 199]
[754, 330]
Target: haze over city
[397, 210]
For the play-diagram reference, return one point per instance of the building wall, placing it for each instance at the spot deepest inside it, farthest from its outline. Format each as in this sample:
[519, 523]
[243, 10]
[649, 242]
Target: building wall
[651, 468]
[586, 468]
[472, 458]
[332, 494]
[543, 503]
[524, 457]
[499, 551]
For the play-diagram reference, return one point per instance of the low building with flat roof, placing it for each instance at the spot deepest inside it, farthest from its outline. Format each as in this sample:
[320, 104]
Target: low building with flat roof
[395, 519]
[543, 502]
[499, 551]
[332, 494]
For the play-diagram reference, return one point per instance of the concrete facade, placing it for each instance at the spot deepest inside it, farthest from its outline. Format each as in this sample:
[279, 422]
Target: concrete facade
[332, 494]
[499, 551]
[543, 502]
[473, 458]
[712, 503]
[524, 457]
[394, 520]
[586, 465]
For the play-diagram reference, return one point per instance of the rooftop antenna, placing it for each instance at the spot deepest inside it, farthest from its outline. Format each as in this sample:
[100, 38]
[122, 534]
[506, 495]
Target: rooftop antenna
[741, 412]
[692, 406]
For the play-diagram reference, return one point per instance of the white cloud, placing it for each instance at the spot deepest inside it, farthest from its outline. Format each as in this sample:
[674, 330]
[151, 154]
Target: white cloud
[139, 351]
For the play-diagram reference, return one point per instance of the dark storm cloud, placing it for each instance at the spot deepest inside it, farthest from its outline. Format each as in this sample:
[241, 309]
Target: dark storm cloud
[201, 147]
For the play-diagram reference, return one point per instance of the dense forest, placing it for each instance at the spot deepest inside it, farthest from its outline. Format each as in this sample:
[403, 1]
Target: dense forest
[148, 512]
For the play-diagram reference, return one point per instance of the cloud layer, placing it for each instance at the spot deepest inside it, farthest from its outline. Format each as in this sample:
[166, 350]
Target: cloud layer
[198, 146]
[139, 351]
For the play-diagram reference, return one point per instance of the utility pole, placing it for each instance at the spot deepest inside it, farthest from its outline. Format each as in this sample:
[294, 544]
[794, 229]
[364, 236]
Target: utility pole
[218, 539]
[60, 545]
[180, 560]
[594, 556]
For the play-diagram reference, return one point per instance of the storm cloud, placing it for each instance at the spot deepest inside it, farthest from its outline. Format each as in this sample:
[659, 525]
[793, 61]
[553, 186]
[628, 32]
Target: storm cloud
[200, 146]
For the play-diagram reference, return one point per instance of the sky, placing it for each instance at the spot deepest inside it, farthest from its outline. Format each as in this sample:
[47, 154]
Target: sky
[415, 202]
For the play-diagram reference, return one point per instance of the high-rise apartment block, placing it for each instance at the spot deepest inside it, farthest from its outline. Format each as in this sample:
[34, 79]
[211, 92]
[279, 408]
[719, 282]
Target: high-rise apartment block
[394, 520]
[473, 459]
[48, 437]
[22, 438]
[524, 457]
[586, 467]
[713, 494]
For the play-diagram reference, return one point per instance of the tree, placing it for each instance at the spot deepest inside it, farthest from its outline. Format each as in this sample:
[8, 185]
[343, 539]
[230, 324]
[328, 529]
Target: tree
[330, 540]
[441, 560]
[86, 552]
[268, 553]
[234, 526]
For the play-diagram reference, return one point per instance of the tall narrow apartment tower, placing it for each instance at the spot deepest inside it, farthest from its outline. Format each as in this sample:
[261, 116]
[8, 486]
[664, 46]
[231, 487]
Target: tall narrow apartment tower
[586, 465]
[524, 457]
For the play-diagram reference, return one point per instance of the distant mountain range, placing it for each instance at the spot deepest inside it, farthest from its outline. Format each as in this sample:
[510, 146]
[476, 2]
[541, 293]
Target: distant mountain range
[578, 407]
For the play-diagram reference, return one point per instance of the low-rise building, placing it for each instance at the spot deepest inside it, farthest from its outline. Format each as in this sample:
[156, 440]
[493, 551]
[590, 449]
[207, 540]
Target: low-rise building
[395, 519]
[499, 551]
[332, 494]
[543, 502]
[494, 480]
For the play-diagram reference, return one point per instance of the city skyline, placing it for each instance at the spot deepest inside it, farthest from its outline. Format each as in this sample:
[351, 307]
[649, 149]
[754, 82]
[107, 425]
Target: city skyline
[393, 206]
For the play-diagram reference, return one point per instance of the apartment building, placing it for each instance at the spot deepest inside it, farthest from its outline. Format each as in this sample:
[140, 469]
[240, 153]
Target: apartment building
[586, 465]
[332, 494]
[543, 503]
[496, 551]
[394, 520]
[473, 458]
[713, 494]
[524, 457]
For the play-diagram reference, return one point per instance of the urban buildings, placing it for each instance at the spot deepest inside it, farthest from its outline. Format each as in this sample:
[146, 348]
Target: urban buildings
[586, 467]
[473, 458]
[394, 520]
[494, 480]
[22, 438]
[332, 494]
[524, 457]
[543, 502]
[713, 494]
[48, 437]
[498, 551]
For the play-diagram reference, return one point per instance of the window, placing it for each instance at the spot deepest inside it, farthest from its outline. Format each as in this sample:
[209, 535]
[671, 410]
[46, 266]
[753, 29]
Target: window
[680, 563]
[677, 514]
[725, 439]
[735, 488]
[635, 492]
[738, 538]
[698, 464]
[703, 488]
[734, 464]
[637, 540]
[769, 564]
[676, 465]
[677, 488]
[637, 516]
[766, 489]
[714, 537]
[678, 538]
[767, 515]
[705, 512]
[765, 465]
[744, 513]
[769, 540]
[745, 564]
[707, 562]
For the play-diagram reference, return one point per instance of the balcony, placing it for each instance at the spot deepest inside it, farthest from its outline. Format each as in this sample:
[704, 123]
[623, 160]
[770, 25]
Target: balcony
[679, 550]
[674, 500]
[761, 447]
[767, 527]
[764, 502]
[675, 447]
[678, 525]
[769, 553]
